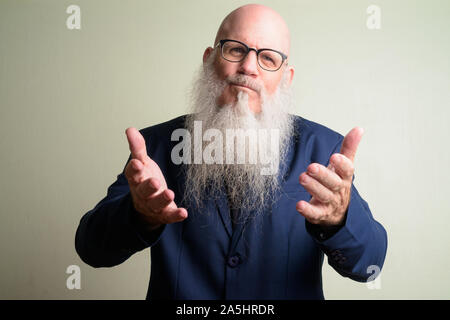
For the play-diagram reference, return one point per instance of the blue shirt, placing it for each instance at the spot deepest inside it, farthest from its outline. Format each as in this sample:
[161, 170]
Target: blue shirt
[277, 255]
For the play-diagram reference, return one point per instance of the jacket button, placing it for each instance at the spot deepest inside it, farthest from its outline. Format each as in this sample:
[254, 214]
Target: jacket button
[233, 261]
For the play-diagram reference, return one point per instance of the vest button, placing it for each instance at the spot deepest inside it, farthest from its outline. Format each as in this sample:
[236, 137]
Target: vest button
[234, 261]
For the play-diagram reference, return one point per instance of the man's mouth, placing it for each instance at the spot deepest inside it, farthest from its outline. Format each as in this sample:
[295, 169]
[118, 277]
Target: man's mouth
[242, 86]
[244, 83]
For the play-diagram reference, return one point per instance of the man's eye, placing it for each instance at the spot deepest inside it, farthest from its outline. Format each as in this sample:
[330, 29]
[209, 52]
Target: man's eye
[268, 59]
[237, 50]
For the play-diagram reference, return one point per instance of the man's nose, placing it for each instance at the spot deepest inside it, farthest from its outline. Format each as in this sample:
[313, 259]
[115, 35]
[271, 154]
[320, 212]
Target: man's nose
[249, 65]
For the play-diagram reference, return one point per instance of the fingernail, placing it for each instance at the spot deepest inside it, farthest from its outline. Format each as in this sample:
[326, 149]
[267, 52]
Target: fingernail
[303, 178]
[313, 169]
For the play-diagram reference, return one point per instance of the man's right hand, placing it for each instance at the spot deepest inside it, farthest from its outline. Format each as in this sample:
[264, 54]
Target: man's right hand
[148, 188]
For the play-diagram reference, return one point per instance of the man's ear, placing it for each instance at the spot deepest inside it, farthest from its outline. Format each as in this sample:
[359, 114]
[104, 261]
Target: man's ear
[207, 53]
[291, 74]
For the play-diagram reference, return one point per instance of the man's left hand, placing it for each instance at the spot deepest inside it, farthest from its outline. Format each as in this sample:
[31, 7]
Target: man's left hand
[330, 186]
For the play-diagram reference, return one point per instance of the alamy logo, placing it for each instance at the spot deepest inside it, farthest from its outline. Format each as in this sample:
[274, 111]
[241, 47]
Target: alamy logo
[374, 281]
[262, 147]
[374, 19]
[74, 20]
[74, 280]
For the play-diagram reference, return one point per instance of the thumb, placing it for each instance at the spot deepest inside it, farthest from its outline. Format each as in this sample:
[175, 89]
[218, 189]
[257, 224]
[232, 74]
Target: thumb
[351, 142]
[136, 144]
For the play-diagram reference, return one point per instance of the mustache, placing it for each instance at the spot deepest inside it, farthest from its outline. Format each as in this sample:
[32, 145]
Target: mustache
[246, 81]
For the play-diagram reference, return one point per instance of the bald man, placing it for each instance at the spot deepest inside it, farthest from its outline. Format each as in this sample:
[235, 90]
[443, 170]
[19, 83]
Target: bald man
[238, 223]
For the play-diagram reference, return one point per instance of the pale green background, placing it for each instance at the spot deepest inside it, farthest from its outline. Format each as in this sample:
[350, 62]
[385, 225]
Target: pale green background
[66, 97]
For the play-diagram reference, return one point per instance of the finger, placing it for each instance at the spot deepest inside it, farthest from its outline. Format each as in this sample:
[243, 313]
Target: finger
[325, 176]
[161, 200]
[315, 188]
[172, 215]
[134, 171]
[148, 188]
[136, 144]
[342, 165]
[351, 142]
[310, 212]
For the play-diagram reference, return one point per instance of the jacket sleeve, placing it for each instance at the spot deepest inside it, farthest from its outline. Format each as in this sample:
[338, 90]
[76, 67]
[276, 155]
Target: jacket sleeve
[109, 234]
[358, 248]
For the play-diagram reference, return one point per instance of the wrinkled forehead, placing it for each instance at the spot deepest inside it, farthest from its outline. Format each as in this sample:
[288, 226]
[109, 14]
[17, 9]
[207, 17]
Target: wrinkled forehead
[256, 29]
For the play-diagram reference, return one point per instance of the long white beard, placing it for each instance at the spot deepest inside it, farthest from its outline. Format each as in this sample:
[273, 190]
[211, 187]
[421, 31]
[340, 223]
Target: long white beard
[247, 188]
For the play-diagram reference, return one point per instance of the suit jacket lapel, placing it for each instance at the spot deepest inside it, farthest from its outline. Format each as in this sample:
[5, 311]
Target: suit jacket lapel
[224, 212]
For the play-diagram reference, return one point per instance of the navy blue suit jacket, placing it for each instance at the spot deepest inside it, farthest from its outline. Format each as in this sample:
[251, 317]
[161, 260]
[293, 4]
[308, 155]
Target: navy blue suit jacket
[277, 255]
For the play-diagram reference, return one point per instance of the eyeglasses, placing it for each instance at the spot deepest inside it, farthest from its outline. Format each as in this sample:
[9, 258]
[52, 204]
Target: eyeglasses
[236, 51]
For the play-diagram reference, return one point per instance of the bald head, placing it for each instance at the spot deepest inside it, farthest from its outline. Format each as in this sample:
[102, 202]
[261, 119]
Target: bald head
[260, 25]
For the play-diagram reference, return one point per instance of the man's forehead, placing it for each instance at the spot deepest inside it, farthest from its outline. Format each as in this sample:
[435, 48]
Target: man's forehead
[257, 26]
[256, 41]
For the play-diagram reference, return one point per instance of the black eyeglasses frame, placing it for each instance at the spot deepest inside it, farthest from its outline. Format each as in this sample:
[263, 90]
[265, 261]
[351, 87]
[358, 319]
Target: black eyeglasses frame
[257, 51]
